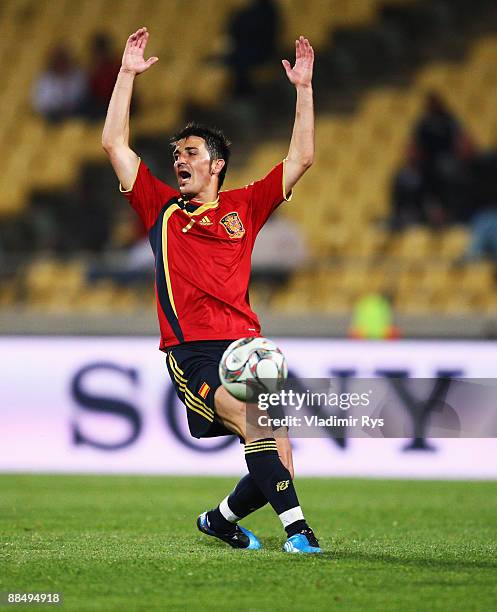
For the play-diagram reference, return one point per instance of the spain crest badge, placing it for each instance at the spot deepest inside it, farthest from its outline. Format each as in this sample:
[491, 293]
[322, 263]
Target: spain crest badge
[233, 225]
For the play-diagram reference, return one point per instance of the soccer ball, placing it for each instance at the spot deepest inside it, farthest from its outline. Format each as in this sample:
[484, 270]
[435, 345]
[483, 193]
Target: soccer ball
[252, 365]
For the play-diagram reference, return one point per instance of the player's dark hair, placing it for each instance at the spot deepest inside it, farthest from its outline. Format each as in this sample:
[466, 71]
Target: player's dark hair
[216, 142]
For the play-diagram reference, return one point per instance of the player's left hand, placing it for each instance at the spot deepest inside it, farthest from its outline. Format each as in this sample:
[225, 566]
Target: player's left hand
[301, 74]
[285, 453]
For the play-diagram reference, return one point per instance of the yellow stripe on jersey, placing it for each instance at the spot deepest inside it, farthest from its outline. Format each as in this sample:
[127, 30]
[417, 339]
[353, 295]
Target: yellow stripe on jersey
[167, 214]
[188, 227]
[204, 207]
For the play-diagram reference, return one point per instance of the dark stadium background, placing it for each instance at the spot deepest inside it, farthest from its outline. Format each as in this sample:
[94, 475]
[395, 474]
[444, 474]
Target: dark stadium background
[65, 229]
[383, 261]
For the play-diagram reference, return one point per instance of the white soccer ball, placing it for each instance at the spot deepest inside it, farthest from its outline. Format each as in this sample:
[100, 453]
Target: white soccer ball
[252, 365]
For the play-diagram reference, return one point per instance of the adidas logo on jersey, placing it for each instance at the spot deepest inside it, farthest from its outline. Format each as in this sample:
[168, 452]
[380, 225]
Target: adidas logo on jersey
[205, 221]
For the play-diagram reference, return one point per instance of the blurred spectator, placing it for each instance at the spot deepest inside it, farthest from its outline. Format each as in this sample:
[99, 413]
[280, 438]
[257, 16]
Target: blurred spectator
[484, 208]
[443, 150]
[433, 184]
[65, 221]
[60, 91]
[278, 251]
[438, 136]
[408, 194]
[103, 71]
[253, 34]
[484, 236]
[133, 261]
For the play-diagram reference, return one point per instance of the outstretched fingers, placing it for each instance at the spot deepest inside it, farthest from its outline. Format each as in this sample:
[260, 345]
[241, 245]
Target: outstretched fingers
[301, 73]
[142, 43]
[307, 52]
[303, 49]
[298, 49]
[136, 39]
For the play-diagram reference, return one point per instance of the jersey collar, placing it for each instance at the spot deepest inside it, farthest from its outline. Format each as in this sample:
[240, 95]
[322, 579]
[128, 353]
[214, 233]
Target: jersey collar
[194, 209]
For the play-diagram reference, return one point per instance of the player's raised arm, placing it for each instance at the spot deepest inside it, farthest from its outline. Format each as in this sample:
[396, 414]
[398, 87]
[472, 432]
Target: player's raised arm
[301, 152]
[115, 137]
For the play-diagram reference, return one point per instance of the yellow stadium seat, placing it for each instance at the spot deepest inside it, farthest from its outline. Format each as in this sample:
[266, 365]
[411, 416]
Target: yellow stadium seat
[453, 242]
[338, 204]
[414, 245]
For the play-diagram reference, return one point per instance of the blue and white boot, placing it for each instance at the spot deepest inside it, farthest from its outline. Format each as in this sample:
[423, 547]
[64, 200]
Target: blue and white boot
[303, 542]
[238, 538]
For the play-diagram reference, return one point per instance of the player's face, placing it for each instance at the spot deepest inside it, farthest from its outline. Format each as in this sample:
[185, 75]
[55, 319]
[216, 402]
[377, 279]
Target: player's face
[192, 165]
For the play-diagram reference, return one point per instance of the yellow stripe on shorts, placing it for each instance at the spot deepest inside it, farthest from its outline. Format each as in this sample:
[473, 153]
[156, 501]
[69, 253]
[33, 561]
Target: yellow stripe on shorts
[196, 409]
[175, 367]
[198, 402]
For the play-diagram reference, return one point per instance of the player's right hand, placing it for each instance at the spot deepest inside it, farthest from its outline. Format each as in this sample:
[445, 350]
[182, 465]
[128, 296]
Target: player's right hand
[133, 60]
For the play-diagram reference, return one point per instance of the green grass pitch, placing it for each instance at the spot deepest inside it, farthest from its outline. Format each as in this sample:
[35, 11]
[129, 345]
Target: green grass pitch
[130, 543]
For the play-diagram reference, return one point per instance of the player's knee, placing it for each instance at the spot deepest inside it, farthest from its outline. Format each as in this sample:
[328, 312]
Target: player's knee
[257, 432]
[239, 417]
[247, 427]
[239, 422]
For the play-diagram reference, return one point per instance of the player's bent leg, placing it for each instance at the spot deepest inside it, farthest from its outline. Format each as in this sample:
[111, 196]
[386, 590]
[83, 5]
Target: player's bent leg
[242, 501]
[221, 522]
[194, 372]
[268, 472]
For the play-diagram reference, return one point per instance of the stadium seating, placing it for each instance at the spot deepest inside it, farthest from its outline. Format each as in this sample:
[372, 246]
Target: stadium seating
[31, 163]
[347, 191]
[45, 23]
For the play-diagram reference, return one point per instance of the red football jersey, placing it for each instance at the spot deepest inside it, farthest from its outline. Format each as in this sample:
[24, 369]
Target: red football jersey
[203, 255]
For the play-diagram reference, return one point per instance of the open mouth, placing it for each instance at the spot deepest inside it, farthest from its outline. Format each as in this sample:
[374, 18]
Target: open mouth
[184, 176]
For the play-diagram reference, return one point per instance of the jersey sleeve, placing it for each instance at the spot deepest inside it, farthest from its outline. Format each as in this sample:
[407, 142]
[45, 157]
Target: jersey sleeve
[267, 194]
[147, 195]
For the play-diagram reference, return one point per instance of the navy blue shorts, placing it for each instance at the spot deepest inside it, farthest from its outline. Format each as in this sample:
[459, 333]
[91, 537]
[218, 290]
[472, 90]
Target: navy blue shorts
[194, 371]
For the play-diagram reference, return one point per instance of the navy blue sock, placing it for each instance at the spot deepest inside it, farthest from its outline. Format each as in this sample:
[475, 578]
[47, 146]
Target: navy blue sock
[245, 499]
[275, 483]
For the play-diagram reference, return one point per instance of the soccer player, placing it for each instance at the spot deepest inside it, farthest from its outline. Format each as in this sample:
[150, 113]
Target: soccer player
[202, 239]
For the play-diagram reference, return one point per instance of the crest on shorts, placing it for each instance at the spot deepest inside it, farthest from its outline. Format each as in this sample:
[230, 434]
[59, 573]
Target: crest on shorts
[233, 225]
